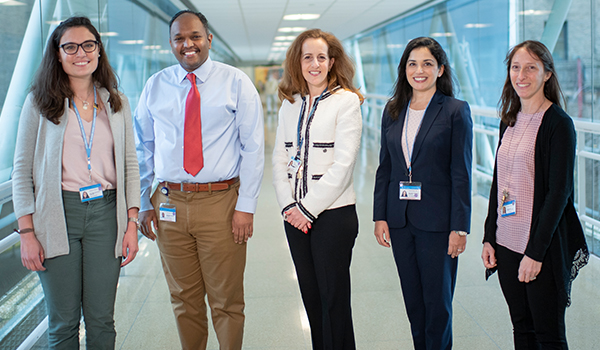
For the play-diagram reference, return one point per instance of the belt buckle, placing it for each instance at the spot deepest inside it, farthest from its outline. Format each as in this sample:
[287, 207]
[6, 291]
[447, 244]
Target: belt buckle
[182, 188]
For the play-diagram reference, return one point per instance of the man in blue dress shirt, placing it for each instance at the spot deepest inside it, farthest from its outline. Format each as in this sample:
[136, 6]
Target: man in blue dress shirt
[206, 215]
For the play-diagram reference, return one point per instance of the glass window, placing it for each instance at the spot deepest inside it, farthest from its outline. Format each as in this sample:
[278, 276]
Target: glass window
[476, 35]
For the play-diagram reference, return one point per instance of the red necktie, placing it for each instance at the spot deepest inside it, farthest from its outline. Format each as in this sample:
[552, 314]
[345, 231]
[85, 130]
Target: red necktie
[193, 160]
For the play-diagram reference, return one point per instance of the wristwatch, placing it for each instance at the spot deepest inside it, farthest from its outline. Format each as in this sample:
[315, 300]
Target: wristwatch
[136, 220]
[461, 233]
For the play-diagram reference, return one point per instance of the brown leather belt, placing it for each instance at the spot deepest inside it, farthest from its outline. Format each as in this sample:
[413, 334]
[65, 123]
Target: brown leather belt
[196, 187]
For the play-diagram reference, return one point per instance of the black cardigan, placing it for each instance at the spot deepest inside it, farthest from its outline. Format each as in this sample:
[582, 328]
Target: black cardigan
[555, 227]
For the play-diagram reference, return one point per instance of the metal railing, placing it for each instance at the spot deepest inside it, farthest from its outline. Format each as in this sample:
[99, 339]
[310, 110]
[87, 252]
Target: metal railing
[31, 300]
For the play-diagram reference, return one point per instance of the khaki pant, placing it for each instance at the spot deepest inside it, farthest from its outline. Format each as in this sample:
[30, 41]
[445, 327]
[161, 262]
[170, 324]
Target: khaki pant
[200, 258]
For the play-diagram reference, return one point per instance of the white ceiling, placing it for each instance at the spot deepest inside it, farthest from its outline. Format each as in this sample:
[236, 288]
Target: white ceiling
[250, 26]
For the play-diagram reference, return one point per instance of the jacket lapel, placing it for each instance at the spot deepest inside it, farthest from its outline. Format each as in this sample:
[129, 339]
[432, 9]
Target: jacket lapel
[435, 106]
[397, 137]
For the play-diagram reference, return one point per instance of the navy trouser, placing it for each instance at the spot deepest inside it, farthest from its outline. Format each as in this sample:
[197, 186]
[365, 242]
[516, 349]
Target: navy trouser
[427, 276]
[322, 260]
[86, 278]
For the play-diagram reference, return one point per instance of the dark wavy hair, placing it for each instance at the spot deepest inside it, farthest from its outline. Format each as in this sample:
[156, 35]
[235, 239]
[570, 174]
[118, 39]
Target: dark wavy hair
[341, 73]
[402, 89]
[510, 103]
[51, 84]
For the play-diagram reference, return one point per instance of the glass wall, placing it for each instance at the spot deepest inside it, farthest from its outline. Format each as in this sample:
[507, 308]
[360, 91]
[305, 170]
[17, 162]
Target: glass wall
[476, 35]
[136, 37]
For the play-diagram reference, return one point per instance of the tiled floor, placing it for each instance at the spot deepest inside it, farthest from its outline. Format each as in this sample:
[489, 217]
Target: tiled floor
[274, 313]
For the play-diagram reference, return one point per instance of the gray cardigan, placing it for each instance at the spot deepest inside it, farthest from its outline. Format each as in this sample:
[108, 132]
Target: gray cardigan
[37, 173]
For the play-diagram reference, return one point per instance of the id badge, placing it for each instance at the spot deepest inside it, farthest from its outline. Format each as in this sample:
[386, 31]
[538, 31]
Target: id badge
[410, 191]
[294, 165]
[89, 193]
[508, 208]
[167, 212]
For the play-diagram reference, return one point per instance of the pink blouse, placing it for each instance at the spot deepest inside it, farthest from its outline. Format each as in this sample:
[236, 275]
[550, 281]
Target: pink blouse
[516, 173]
[74, 162]
[411, 129]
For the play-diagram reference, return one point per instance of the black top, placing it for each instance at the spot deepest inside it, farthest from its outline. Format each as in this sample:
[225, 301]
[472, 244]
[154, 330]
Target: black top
[555, 227]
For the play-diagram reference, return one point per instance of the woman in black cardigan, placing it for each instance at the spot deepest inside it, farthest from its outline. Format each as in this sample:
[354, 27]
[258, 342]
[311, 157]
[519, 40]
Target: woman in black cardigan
[536, 262]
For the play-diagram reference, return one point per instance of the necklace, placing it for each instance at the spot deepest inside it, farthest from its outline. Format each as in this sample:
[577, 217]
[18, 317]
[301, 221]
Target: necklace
[505, 192]
[85, 103]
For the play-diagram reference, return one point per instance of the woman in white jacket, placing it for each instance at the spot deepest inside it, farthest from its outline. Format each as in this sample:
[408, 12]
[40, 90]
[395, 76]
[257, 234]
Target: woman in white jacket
[315, 151]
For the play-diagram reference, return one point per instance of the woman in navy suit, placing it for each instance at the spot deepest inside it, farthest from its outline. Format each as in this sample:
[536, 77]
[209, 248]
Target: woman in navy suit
[422, 203]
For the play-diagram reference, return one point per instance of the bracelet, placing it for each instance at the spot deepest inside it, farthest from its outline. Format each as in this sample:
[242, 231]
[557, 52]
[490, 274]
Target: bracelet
[25, 230]
[136, 220]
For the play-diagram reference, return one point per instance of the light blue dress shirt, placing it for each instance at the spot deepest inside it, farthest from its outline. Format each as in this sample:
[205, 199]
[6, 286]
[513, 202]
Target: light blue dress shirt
[232, 130]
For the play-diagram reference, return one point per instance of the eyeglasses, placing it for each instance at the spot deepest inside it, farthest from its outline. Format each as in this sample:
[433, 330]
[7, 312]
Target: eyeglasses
[87, 46]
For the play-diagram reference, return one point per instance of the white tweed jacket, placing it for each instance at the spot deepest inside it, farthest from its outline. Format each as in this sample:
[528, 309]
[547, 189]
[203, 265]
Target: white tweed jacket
[328, 154]
[37, 173]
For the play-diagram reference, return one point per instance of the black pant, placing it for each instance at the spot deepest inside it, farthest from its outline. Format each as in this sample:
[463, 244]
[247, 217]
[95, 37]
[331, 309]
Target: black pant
[536, 312]
[322, 260]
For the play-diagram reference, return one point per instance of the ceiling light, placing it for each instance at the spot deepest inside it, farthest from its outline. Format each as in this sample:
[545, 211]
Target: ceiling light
[437, 35]
[282, 43]
[291, 29]
[534, 12]
[301, 17]
[284, 38]
[11, 3]
[151, 47]
[275, 48]
[109, 34]
[395, 46]
[131, 42]
[478, 25]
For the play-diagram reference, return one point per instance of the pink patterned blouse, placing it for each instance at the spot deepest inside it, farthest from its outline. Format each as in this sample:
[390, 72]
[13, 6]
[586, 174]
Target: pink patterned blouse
[516, 173]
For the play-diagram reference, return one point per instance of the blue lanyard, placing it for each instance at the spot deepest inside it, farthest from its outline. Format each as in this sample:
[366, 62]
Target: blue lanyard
[310, 116]
[88, 145]
[410, 150]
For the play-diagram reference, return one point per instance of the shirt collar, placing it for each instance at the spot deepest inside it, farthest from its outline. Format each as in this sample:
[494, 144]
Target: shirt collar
[200, 72]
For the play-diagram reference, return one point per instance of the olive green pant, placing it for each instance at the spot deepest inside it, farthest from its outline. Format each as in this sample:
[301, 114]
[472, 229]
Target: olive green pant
[85, 280]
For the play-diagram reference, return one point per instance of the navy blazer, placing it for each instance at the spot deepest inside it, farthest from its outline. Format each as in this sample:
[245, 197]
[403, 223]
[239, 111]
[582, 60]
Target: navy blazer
[441, 161]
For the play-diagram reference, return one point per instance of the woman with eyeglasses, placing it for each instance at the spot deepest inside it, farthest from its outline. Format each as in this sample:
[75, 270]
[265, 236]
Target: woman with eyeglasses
[76, 187]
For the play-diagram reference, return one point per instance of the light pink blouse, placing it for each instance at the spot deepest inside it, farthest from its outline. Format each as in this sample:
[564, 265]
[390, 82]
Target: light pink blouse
[74, 162]
[516, 173]
[411, 129]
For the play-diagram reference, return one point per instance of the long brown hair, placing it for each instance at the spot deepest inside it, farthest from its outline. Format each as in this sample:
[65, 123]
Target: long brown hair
[51, 84]
[510, 103]
[341, 72]
[402, 89]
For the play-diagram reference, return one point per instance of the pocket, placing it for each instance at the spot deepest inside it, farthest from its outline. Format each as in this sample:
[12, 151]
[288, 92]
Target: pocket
[323, 153]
